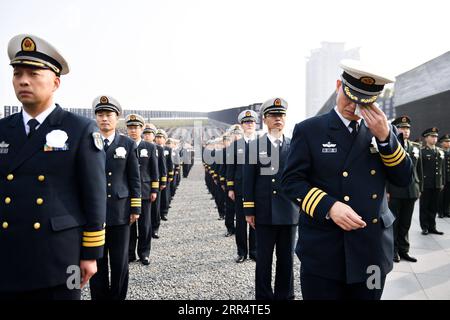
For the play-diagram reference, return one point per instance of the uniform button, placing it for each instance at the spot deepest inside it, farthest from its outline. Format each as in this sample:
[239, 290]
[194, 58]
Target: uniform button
[347, 198]
[39, 201]
[10, 177]
[109, 173]
[109, 184]
[273, 180]
[273, 169]
[8, 200]
[345, 174]
[373, 172]
[374, 221]
[37, 226]
[41, 178]
[374, 196]
[109, 196]
[274, 192]
[5, 225]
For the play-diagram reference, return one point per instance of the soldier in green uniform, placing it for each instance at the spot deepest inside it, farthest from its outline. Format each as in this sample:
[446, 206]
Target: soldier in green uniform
[402, 200]
[444, 210]
[433, 181]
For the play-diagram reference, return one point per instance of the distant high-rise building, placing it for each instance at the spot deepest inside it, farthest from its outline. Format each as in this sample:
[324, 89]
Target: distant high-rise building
[322, 71]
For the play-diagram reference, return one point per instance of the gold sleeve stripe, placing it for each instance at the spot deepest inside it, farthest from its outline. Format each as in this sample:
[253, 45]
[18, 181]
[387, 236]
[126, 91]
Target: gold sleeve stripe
[390, 156]
[249, 202]
[94, 239]
[163, 179]
[222, 179]
[313, 208]
[93, 244]
[308, 195]
[94, 233]
[312, 200]
[230, 183]
[155, 184]
[396, 163]
[171, 172]
[249, 205]
[394, 159]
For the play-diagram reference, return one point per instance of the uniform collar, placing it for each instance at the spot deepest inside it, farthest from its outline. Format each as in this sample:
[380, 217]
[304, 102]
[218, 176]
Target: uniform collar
[273, 139]
[110, 138]
[345, 121]
[40, 118]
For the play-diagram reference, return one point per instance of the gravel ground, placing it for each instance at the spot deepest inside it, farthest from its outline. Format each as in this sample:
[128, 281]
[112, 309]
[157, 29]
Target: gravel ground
[193, 260]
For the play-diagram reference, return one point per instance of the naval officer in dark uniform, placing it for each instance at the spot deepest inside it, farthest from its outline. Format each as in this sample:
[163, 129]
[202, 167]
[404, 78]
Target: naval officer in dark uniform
[123, 202]
[433, 160]
[238, 152]
[267, 209]
[149, 136]
[148, 167]
[337, 171]
[401, 200]
[52, 183]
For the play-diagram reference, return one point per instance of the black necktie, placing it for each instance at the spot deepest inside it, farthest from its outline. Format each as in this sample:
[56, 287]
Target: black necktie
[354, 125]
[32, 124]
[278, 143]
[106, 144]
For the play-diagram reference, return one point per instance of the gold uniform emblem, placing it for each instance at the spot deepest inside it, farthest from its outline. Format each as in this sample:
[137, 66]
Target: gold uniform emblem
[404, 120]
[434, 130]
[132, 117]
[248, 114]
[367, 80]
[28, 45]
[104, 100]
[277, 102]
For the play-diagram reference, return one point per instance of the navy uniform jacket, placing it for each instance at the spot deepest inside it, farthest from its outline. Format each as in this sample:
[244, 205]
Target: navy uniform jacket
[161, 165]
[263, 196]
[415, 187]
[447, 166]
[325, 166]
[148, 168]
[52, 202]
[433, 168]
[169, 163]
[237, 156]
[123, 181]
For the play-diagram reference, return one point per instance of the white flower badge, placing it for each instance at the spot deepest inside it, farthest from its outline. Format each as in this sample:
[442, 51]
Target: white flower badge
[144, 153]
[120, 153]
[56, 140]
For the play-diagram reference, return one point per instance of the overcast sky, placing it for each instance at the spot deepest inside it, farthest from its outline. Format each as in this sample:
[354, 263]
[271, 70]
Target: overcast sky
[203, 55]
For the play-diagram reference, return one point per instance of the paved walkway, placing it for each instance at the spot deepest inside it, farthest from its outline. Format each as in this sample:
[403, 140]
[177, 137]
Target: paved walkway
[429, 277]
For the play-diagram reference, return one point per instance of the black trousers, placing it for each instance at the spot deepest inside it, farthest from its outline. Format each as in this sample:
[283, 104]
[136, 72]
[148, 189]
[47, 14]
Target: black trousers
[141, 233]
[428, 208]
[403, 210]
[155, 213]
[164, 204]
[116, 257]
[54, 293]
[229, 213]
[246, 245]
[282, 239]
[315, 287]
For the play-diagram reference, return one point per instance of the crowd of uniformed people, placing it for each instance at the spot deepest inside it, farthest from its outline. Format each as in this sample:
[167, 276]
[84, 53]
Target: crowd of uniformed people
[78, 193]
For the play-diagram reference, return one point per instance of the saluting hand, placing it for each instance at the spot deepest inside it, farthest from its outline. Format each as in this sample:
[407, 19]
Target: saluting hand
[88, 268]
[376, 121]
[344, 216]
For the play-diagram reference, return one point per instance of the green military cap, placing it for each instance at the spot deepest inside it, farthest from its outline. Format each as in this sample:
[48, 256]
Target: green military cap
[431, 132]
[402, 122]
[445, 138]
